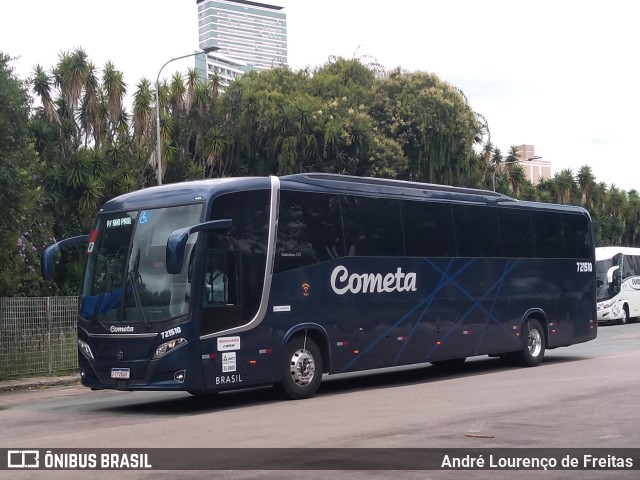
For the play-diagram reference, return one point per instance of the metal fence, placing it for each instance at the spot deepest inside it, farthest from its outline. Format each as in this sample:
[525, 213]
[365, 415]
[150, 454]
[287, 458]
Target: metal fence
[37, 336]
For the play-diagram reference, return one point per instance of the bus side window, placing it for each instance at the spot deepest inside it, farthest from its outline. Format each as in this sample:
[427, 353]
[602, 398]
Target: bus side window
[372, 226]
[309, 230]
[631, 264]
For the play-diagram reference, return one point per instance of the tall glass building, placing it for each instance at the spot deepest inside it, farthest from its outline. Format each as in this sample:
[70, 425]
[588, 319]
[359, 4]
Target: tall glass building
[249, 36]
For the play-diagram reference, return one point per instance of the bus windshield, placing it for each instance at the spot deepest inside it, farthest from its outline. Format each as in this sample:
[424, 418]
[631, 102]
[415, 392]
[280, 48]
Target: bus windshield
[603, 287]
[126, 278]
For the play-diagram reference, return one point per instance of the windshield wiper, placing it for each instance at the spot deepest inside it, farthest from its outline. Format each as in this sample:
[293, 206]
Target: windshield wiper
[135, 278]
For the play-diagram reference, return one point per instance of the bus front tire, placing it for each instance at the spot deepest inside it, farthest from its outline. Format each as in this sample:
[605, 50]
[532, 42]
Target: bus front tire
[625, 316]
[533, 346]
[301, 369]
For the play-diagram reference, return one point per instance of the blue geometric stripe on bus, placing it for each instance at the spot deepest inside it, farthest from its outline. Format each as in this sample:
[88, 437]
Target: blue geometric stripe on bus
[383, 335]
[491, 317]
[476, 304]
[439, 287]
[426, 300]
[508, 268]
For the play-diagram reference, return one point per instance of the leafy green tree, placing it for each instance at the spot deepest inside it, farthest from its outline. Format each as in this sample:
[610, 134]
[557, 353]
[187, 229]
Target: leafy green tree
[24, 226]
[347, 116]
[475, 174]
[431, 119]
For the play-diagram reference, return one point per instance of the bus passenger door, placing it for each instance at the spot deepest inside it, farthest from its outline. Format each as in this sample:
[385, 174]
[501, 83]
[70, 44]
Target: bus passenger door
[221, 297]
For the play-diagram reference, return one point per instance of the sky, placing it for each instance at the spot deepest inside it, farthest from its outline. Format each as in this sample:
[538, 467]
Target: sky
[561, 75]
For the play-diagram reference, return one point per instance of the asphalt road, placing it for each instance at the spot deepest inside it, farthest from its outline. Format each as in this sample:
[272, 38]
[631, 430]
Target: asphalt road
[583, 396]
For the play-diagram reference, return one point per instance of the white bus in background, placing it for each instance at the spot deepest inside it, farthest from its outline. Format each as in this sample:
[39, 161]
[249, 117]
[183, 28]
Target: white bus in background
[618, 284]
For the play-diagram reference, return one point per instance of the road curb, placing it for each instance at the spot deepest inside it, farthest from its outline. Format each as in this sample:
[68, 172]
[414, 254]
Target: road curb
[37, 383]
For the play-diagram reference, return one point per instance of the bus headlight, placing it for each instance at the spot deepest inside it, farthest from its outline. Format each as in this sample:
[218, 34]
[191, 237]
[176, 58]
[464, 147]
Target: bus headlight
[607, 304]
[85, 349]
[169, 346]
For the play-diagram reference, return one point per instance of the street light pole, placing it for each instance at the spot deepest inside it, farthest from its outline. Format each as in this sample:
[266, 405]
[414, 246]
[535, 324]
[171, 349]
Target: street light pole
[158, 141]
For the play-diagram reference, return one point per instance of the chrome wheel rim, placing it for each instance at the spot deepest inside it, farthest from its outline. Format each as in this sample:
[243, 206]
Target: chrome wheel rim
[302, 367]
[535, 343]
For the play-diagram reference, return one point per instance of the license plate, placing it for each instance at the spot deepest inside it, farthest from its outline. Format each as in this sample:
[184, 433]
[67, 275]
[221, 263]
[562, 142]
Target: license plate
[120, 373]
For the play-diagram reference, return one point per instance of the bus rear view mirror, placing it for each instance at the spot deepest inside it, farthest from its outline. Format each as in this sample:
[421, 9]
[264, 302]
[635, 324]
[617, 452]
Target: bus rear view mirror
[177, 242]
[610, 274]
[49, 253]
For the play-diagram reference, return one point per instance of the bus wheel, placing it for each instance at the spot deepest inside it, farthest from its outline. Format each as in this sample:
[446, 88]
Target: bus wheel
[302, 369]
[533, 346]
[625, 316]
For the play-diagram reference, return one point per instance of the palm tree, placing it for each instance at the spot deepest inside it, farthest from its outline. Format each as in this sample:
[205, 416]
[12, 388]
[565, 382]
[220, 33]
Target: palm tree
[586, 184]
[115, 90]
[215, 83]
[143, 113]
[333, 140]
[70, 76]
[200, 101]
[565, 186]
[90, 196]
[215, 145]
[192, 82]
[178, 92]
[515, 173]
[90, 123]
[496, 160]
[618, 208]
[599, 195]
[42, 87]
[633, 216]
[546, 189]
[487, 165]
[517, 179]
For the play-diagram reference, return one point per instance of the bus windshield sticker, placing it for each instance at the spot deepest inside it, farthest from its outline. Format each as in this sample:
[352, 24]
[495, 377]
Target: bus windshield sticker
[282, 308]
[228, 343]
[119, 222]
[144, 217]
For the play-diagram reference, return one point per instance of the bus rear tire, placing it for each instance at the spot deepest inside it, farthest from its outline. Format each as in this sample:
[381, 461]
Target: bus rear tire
[533, 347]
[301, 369]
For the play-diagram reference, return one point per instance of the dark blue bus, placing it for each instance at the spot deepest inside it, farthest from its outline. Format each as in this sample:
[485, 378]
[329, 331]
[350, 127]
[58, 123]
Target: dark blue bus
[229, 283]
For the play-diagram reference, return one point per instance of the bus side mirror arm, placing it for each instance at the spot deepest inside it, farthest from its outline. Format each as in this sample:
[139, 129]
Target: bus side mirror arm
[177, 242]
[49, 253]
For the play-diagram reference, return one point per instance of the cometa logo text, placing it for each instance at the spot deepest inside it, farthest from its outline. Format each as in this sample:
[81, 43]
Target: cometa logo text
[343, 282]
[115, 329]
